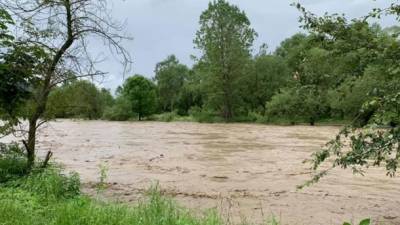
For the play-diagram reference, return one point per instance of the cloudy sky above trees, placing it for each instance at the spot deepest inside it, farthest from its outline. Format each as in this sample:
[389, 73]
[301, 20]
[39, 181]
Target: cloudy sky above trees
[163, 27]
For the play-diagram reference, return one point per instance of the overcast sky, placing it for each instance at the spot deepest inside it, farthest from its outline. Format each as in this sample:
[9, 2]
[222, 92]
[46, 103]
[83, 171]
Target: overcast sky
[164, 27]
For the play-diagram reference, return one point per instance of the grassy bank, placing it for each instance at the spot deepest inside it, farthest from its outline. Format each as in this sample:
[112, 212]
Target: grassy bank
[48, 197]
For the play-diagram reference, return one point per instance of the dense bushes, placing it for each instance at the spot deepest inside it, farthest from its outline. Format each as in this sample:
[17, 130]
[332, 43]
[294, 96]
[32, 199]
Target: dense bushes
[78, 99]
[303, 104]
[120, 111]
[12, 162]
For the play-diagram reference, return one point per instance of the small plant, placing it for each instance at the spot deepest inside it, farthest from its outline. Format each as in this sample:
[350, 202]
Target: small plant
[273, 221]
[363, 222]
[102, 184]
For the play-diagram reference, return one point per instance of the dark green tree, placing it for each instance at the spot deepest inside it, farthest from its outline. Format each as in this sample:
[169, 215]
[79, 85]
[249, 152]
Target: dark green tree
[141, 94]
[170, 78]
[293, 50]
[78, 99]
[225, 38]
[269, 74]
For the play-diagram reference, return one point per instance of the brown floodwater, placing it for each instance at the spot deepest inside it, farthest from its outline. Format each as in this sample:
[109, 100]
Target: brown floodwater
[246, 171]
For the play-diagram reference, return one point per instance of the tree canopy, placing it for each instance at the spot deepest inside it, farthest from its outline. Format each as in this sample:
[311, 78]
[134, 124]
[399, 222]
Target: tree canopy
[141, 94]
[225, 38]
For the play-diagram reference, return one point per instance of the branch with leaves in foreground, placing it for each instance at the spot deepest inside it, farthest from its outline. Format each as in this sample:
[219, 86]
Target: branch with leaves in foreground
[373, 138]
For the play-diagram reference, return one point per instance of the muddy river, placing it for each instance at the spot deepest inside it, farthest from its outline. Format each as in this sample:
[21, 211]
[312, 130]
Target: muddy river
[247, 172]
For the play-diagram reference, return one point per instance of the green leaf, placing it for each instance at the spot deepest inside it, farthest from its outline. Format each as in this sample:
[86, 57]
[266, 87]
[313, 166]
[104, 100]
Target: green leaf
[365, 222]
[346, 223]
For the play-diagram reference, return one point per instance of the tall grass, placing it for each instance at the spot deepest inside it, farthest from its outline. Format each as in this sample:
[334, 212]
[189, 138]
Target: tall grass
[49, 197]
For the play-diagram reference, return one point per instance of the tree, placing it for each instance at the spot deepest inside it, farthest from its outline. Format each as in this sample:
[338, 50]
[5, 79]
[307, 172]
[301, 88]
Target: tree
[225, 38]
[293, 50]
[141, 94]
[78, 99]
[299, 103]
[121, 110]
[192, 93]
[347, 99]
[61, 28]
[269, 74]
[377, 143]
[106, 98]
[170, 78]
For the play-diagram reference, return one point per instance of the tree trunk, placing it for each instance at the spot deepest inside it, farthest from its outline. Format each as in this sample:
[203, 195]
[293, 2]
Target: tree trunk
[43, 97]
[31, 144]
[228, 109]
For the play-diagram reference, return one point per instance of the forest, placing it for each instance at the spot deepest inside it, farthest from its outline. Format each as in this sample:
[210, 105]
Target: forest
[339, 70]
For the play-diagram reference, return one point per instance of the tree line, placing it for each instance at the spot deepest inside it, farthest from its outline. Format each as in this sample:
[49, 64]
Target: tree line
[308, 78]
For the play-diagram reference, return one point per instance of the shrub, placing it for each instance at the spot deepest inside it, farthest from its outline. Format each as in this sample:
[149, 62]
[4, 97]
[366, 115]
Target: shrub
[120, 111]
[50, 183]
[302, 104]
[12, 162]
[166, 117]
[204, 116]
[23, 207]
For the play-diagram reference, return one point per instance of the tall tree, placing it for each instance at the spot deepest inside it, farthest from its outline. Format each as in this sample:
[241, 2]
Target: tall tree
[225, 38]
[170, 78]
[61, 28]
[141, 94]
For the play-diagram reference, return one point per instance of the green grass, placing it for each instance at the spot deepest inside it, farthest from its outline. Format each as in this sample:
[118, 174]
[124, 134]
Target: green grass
[48, 197]
[20, 207]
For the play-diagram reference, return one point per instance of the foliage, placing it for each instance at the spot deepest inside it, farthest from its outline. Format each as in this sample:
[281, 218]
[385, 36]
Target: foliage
[375, 58]
[170, 78]
[268, 74]
[12, 162]
[78, 99]
[47, 49]
[102, 184]
[17, 76]
[299, 104]
[347, 99]
[121, 110]
[166, 117]
[363, 222]
[49, 197]
[141, 94]
[225, 38]
[49, 183]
